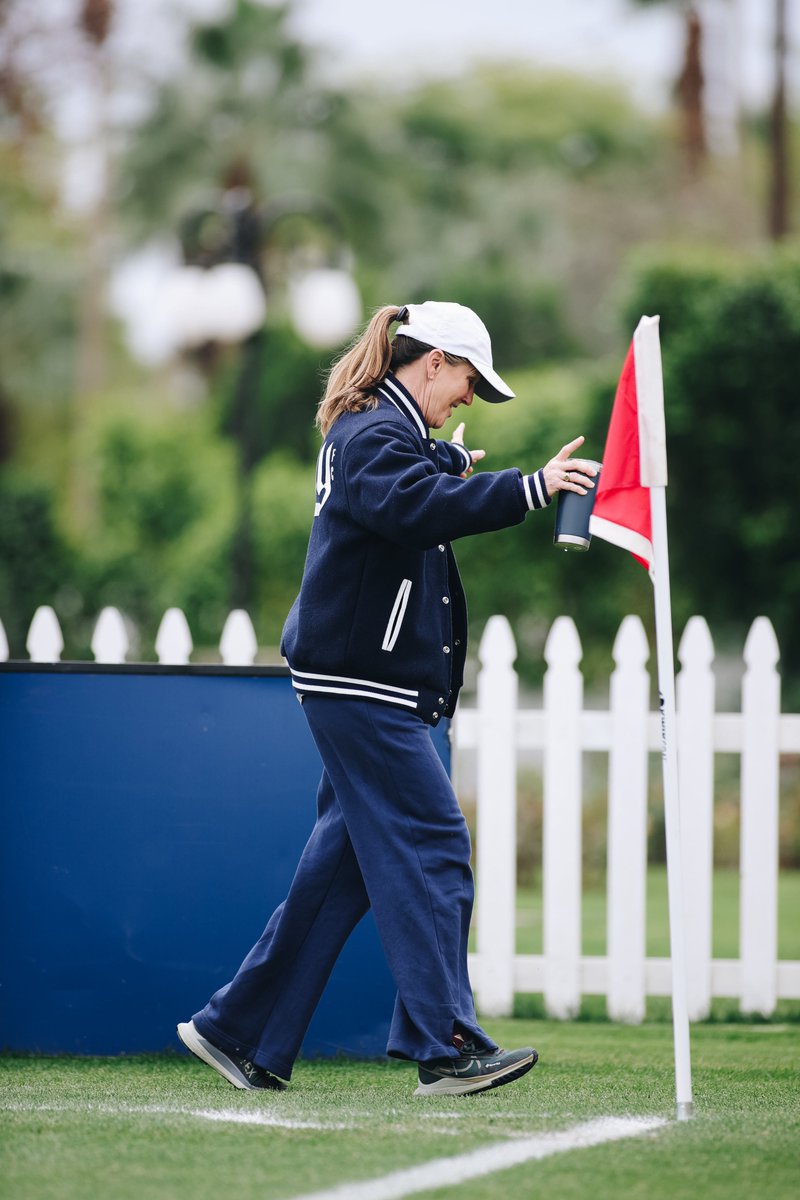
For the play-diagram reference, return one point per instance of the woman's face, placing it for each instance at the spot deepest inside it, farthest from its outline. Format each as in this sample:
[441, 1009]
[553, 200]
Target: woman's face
[450, 385]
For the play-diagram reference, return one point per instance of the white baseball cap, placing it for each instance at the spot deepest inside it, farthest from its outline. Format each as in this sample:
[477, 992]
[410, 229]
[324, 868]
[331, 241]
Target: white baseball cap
[459, 331]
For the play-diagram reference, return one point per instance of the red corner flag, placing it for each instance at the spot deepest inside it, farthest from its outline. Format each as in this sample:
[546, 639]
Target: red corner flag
[630, 511]
[635, 453]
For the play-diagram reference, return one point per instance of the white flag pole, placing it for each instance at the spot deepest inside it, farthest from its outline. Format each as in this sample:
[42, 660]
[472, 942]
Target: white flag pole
[653, 459]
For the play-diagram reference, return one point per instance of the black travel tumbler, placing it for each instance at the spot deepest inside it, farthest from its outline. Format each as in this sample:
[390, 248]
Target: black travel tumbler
[572, 517]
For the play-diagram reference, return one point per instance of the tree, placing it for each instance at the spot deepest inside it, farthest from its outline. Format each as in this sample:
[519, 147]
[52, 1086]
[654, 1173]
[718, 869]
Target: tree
[246, 95]
[690, 84]
[506, 189]
[779, 133]
[95, 21]
[39, 263]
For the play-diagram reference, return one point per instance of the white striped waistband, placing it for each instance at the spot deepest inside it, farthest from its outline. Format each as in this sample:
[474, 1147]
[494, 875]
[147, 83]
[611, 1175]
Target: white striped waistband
[345, 685]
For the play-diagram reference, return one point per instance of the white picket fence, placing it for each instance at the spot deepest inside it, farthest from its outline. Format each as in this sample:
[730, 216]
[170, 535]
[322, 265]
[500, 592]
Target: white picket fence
[498, 731]
[110, 640]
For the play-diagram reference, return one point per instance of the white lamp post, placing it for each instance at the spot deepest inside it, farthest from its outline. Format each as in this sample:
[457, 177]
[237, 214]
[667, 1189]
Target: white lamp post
[224, 303]
[324, 305]
[168, 307]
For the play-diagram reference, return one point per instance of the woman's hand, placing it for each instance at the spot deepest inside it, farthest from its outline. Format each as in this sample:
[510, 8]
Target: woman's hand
[458, 438]
[565, 474]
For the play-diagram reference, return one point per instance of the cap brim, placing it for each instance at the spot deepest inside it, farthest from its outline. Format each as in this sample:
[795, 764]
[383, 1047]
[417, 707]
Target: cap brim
[491, 387]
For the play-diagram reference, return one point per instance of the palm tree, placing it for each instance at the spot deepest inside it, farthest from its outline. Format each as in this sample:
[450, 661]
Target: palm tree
[689, 84]
[778, 217]
[689, 88]
[95, 20]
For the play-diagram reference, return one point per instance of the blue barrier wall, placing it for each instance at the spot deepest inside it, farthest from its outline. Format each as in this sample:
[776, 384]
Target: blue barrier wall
[152, 819]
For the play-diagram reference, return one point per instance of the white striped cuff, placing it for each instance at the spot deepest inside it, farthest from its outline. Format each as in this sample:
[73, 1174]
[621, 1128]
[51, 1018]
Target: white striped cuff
[467, 456]
[536, 493]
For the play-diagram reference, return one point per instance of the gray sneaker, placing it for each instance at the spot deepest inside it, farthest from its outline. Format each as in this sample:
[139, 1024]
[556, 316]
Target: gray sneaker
[473, 1071]
[241, 1072]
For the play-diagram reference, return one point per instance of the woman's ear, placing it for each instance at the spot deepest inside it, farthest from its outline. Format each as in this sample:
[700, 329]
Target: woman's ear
[435, 360]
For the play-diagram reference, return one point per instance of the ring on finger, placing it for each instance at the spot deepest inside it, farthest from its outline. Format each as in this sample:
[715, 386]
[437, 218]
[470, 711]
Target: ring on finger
[566, 477]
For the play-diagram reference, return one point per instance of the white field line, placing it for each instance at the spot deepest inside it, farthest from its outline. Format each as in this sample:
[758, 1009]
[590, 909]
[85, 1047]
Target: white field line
[447, 1172]
[233, 1116]
[242, 1117]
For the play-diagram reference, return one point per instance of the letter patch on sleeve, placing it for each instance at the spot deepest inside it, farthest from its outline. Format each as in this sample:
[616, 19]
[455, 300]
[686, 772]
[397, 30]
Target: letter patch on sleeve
[324, 476]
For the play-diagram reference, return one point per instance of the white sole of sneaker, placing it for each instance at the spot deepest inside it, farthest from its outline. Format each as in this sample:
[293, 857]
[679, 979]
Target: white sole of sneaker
[202, 1049]
[450, 1085]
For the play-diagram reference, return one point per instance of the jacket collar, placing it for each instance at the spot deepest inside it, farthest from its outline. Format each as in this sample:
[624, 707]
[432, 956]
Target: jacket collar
[390, 388]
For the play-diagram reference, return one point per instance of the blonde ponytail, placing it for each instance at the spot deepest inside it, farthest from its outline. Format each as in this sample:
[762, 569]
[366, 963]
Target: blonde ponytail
[353, 379]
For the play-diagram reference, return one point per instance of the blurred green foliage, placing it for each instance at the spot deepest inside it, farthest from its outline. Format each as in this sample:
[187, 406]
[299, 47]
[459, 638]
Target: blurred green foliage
[283, 508]
[39, 279]
[248, 95]
[35, 561]
[731, 352]
[547, 202]
[163, 493]
[269, 396]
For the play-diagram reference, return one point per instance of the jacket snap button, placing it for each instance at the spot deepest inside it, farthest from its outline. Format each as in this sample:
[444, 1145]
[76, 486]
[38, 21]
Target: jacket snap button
[442, 549]
[436, 716]
[433, 445]
[445, 599]
[446, 649]
[441, 699]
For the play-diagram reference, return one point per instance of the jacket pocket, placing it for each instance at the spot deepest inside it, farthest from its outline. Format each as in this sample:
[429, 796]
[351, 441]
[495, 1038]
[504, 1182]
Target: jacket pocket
[398, 613]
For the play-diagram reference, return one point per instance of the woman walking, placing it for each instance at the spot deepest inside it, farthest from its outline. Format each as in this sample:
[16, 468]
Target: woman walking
[376, 643]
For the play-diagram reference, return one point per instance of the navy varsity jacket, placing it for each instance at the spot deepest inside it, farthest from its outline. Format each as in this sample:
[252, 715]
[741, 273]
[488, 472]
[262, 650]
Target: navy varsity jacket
[381, 612]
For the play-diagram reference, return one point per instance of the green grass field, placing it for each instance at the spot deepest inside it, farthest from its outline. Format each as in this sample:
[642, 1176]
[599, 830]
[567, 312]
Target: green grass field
[725, 923]
[725, 936]
[167, 1128]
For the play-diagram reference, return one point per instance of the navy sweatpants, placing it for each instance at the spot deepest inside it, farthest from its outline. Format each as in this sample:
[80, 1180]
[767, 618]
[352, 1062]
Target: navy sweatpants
[389, 834]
